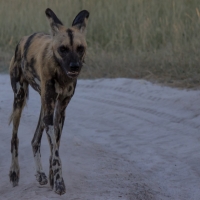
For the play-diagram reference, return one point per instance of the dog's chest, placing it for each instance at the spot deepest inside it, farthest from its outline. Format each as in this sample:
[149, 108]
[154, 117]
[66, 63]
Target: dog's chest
[66, 91]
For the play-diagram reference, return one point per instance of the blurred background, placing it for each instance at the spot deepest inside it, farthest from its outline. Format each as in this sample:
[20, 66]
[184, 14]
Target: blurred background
[152, 39]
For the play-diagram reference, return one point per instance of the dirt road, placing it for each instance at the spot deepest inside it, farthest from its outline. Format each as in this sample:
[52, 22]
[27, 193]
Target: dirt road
[123, 139]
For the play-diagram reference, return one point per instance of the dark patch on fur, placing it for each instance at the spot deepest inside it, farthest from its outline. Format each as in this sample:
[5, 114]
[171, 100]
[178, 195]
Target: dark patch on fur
[75, 82]
[79, 19]
[70, 88]
[17, 57]
[35, 149]
[13, 174]
[67, 100]
[14, 178]
[14, 144]
[15, 78]
[70, 34]
[51, 14]
[36, 144]
[56, 171]
[62, 119]
[51, 145]
[48, 120]
[57, 176]
[27, 44]
[36, 141]
[35, 86]
[54, 22]
[19, 99]
[55, 161]
[50, 98]
[56, 153]
[58, 136]
[41, 178]
[32, 63]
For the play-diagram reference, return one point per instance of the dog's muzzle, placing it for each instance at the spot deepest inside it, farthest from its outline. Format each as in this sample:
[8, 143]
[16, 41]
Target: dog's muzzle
[74, 69]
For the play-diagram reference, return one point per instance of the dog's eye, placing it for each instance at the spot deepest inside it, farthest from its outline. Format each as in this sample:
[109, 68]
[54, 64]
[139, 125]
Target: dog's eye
[63, 49]
[80, 49]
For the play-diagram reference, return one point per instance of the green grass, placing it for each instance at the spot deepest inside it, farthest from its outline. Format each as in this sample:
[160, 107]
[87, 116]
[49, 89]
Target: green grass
[152, 39]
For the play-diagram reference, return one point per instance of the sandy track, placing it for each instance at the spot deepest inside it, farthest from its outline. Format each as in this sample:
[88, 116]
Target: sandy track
[122, 139]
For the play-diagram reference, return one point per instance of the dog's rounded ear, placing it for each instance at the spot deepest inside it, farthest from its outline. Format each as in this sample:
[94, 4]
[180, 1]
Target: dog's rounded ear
[80, 20]
[55, 23]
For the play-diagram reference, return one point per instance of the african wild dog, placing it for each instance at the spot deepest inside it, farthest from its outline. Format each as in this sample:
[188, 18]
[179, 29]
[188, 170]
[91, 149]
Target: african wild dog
[51, 65]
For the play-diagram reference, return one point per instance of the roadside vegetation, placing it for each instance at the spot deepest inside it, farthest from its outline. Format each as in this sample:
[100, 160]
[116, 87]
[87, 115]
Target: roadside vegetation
[152, 39]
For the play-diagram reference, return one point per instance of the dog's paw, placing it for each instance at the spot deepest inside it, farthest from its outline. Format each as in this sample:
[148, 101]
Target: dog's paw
[41, 178]
[14, 177]
[59, 186]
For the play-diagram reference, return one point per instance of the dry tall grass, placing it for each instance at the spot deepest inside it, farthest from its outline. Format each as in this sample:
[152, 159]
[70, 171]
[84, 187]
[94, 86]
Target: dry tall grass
[140, 38]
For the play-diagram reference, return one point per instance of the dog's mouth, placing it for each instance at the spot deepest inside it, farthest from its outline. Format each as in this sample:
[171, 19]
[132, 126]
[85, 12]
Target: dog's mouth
[73, 74]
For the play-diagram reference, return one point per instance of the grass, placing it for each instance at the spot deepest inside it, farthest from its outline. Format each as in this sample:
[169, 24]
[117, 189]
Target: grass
[156, 40]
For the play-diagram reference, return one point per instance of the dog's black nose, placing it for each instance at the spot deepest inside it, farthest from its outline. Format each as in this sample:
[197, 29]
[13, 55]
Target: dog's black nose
[74, 66]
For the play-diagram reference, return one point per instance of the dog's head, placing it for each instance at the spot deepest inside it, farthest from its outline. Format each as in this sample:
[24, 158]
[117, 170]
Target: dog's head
[69, 44]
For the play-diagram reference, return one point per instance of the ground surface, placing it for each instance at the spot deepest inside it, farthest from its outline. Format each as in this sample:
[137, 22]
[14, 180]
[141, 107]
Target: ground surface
[123, 139]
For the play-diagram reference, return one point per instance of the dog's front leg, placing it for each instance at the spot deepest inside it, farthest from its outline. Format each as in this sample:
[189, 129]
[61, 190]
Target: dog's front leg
[49, 97]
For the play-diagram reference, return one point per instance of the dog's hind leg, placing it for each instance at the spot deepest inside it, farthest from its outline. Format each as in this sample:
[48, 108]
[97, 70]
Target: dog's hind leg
[36, 142]
[20, 89]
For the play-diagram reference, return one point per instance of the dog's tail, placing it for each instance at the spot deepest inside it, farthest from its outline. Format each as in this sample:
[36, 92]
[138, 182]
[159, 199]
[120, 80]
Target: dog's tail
[19, 86]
